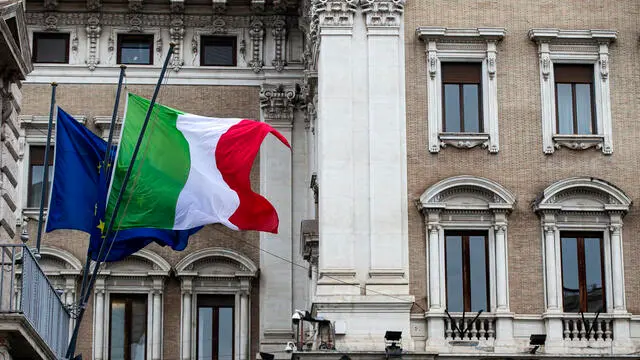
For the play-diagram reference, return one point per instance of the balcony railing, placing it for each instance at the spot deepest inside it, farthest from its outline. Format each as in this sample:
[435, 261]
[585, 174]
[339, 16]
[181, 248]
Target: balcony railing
[24, 289]
[578, 330]
[470, 328]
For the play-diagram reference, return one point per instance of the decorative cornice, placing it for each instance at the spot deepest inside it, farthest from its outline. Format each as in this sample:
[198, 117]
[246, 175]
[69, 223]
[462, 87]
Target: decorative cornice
[278, 103]
[549, 34]
[383, 12]
[336, 13]
[432, 33]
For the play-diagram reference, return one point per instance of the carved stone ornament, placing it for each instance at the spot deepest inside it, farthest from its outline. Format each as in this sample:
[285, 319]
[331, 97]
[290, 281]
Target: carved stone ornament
[50, 4]
[219, 6]
[382, 12]
[93, 30]
[194, 48]
[433, 64]
[335, 12]
[177, 6]
[135, 5]
[51, 22]
[280, 6]
[604, 66]
[256, 33]
[135, 22]
[491, 64]
[176, 32]
[159, 45]
[257, 5]
[545, 65]
[218, 25]
[278, 103]
[279, 33]
[94, 5]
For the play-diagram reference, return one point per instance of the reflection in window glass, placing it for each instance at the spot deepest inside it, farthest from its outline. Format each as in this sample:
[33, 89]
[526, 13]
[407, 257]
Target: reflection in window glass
[570, 277]
[215, 327]
[478, 273]
[205, 333]
[452, 108]
[36, 175]
[466, 272]
[582, 269]
[117, 330]
[583, 109]
[471, 108]
[455, 290]
[565, 109]
[593, 269]
[225, 333]
[128, 327]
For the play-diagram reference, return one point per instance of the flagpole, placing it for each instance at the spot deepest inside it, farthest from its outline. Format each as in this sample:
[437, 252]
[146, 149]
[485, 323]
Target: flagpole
[85, 298]
[107, 160]
[45, 176]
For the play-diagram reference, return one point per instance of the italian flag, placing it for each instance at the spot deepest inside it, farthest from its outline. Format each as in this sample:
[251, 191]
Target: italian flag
[190, 171]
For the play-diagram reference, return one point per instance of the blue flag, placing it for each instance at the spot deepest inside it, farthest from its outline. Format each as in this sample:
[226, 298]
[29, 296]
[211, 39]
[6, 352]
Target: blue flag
[79, 191]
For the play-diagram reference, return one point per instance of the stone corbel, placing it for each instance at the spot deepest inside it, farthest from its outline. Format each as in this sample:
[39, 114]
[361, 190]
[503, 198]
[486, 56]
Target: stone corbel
[256, 33]
[491, 59]
[603, 60]
[94, 30]
[176, 32]
[279, 33]
[383, 12]
[335, 13]
[278, 103]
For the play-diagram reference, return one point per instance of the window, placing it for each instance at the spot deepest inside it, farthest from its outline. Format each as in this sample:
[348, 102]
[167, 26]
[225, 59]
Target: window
[462, 98]
[467, 271]
[574, 88]
[574, 98]
[583, 272]
[462, 87]
[218, 51]
[36, 175]
[51, 48]
[135, 49]
[215, 327]
[128, 327]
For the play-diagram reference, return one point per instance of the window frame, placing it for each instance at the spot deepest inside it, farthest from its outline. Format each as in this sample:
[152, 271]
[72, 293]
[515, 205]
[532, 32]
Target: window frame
[206, 39]
[580, 236]
[215, 301]
[50, 35]
[31, 164]
[466, 260]
[592, 98]
[464, 79]
[122, 36]
[127, 296]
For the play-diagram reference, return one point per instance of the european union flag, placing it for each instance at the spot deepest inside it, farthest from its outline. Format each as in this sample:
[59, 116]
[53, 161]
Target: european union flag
[79, 191]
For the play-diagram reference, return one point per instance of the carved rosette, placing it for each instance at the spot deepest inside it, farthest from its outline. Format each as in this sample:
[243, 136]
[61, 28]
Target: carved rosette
[256, 33]
[279, 33]
[383, 12]
[93, 30]
[176, 32]
[278, 103]
[335, 12]
[51, 22]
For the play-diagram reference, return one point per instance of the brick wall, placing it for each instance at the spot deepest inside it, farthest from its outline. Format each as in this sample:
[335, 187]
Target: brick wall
[521, 166]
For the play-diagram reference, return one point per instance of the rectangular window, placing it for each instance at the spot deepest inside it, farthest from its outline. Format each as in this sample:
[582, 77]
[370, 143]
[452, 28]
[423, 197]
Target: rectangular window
[462, 97]
[218, 51]
[36, 176]
[51, 48]
[128, 327]
[467, 271]
[575, 111]
[215, 327]
[135, 49]
[583, 272]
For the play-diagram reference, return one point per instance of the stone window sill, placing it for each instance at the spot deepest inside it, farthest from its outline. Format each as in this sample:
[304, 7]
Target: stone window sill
[464, 140]
[578, 142]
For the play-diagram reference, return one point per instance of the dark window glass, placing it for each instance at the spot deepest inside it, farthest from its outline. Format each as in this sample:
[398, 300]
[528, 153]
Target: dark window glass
[462, 97]
[218, 51]
[215, 327]
[467, 271]
[135, 49]
[36, 175]
[51, 48]
[582, 272]
[128, 327]
[574, 99]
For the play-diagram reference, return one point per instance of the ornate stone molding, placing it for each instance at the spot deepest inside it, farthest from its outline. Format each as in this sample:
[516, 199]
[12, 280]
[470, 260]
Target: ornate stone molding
[257, 5]
[279, 33]
[176, 32]
[278, 103]
[93, 5]
[256, 33]
[135, 22]
[135, 5]
[94, 30]
[177, 6]
[50, 5]
[383, 12]
[219, 6]
[335, 12]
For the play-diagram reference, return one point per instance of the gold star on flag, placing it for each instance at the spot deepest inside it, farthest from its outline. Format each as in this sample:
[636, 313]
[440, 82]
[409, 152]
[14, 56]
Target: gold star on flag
[99, 166]
[101, 226]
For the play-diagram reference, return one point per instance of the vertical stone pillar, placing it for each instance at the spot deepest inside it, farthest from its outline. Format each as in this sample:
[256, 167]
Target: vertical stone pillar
[156, 320]
[244, 325]
[278, 104]
[186, 290]
[99, 329]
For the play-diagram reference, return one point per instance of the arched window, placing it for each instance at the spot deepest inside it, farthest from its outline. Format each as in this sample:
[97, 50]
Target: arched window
[216, 289]
[581, 220]
[466, 220]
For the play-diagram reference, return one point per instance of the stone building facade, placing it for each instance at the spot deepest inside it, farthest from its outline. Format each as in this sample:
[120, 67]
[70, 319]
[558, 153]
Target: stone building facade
[448, 157]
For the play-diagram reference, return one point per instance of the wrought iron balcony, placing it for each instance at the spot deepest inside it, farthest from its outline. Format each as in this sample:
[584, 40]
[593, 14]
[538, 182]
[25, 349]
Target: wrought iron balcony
[30, 307]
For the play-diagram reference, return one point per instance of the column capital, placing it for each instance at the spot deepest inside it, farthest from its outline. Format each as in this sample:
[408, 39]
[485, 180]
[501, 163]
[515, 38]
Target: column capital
[336, 13]
[434, 228]
[549, 228]
[615, 228]
[278, 104]
[500, 228]
[383, 12]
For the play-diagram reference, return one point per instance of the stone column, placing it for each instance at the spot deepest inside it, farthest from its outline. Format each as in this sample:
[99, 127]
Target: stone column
[156, 337]
[244, 325]
[553, 313]
[278, 105]
[186, 318]
[622, 334]
[98, 333]
[435, 313]
[504, 318]
[550, 261]
[388, 239]
[69, 297]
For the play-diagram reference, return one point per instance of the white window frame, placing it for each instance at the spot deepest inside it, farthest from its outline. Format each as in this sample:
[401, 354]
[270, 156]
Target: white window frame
[467, 203]
[575, 47]
[462, 45]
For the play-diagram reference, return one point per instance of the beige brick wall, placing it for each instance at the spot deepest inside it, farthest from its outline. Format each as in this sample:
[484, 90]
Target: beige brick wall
[97, 100]
[520, 166]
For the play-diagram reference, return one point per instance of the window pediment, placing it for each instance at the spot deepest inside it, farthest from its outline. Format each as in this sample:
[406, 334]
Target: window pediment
[216, 262]
[583, 194]
[467, 193]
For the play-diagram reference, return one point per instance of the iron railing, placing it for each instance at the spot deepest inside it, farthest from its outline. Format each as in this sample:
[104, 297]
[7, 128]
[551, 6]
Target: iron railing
[25, 289]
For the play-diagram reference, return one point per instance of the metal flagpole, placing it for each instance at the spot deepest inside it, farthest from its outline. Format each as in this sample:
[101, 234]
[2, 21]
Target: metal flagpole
[83, 304]
[107, 159]
[45, 176]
